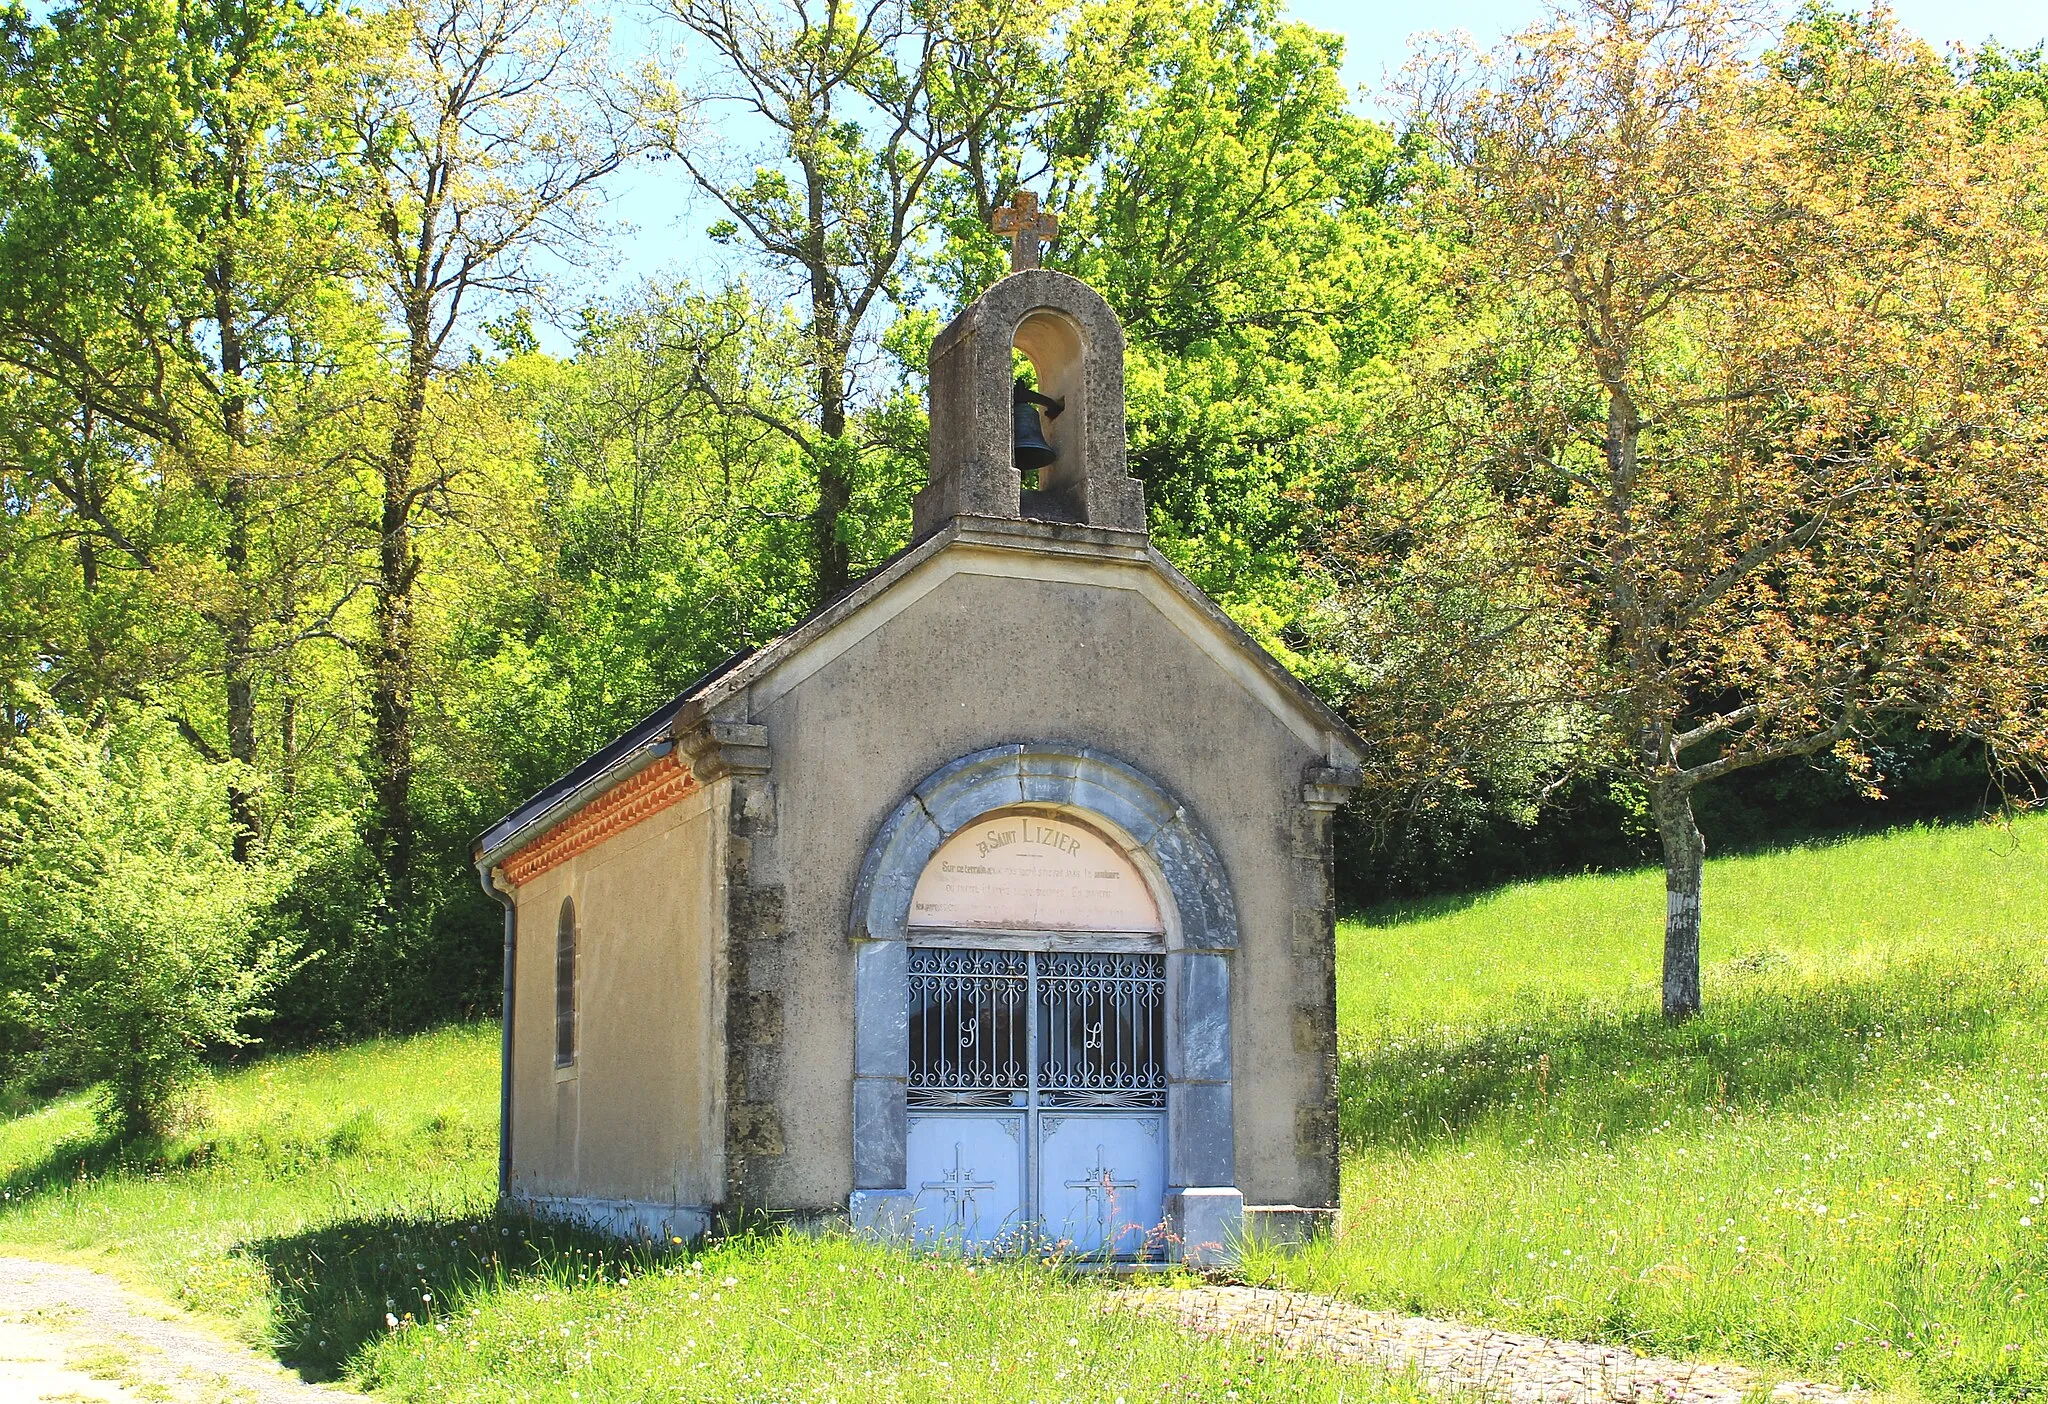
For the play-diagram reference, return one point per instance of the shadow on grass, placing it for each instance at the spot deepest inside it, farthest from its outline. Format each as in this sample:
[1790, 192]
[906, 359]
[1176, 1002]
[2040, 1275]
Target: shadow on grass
[100, 1152]
[1400, 911]
[97, 1153]
[1566, 1076]
[339, 1287]
[84, 1157]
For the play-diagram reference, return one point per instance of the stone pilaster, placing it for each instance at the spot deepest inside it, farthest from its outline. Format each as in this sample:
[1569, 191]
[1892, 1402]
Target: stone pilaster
[756, 960]
[1324, 788]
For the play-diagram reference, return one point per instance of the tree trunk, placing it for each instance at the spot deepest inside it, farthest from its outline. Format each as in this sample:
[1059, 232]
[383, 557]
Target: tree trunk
[1685, 856]
[237, 629]
[835, 496]
[835, 486]
[391, 673]
[288, 754]
[237, 654]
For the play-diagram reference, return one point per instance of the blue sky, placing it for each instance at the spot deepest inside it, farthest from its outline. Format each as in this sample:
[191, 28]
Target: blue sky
[1378, 34]
[665, 225]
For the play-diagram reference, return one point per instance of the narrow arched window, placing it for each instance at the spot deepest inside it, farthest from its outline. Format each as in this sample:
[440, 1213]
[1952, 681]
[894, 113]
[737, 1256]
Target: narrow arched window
[565, 985]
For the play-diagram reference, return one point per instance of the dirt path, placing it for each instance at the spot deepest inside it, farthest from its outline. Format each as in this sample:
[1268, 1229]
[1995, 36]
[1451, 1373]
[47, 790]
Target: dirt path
[70, 1334]
[1448, 1357]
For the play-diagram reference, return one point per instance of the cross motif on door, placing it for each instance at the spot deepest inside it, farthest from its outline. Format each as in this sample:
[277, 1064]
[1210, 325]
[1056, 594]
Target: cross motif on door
[1028, 227]
[1100, 1184]
[959, 1186]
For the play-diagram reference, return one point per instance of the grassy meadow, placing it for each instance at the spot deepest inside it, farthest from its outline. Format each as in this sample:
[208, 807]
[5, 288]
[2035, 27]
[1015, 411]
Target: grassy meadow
[1837, 1172]
[336, 1208]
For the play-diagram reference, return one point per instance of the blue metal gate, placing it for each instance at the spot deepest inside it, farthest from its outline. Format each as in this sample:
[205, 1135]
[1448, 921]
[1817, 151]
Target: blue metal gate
[1037, 1098]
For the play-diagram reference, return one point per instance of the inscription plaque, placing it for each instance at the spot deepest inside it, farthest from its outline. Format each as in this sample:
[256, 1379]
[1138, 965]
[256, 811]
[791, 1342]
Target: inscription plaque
[1032, 872]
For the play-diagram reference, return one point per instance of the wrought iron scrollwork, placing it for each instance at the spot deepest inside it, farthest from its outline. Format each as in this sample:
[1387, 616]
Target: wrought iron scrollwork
[1097, 1020]
[1102, 1029]
[968, 1034]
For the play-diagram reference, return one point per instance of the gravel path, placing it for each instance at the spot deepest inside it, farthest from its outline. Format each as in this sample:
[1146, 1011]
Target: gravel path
[1448, 1357]
[69, 1334]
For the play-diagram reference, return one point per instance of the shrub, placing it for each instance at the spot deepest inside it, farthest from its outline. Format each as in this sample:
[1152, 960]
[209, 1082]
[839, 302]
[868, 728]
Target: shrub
[131, 932]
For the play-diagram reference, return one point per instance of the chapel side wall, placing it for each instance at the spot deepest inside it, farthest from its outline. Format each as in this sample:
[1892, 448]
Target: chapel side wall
[987, 658]
[543, 1109]
[639, 1117]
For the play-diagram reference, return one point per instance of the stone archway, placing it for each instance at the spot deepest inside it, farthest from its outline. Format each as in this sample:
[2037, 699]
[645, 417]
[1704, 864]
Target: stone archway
[1199, 917]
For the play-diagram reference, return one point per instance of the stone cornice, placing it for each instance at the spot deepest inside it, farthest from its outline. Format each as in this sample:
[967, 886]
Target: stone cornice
[1326, 787]
[720, 748]
[640, 796]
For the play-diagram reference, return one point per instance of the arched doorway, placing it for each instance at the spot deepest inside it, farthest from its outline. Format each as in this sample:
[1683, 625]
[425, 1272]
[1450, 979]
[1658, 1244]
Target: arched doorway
[1036, 996]
[1043, 942]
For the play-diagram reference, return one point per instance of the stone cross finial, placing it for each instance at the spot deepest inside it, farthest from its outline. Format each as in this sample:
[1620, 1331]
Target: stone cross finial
[1028, 227]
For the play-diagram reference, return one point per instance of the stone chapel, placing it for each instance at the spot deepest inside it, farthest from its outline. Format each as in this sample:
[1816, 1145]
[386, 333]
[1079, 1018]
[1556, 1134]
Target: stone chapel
[989, 906]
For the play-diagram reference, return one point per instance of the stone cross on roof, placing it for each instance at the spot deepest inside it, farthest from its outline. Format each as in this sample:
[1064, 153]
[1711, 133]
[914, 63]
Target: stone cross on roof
[1028, 227]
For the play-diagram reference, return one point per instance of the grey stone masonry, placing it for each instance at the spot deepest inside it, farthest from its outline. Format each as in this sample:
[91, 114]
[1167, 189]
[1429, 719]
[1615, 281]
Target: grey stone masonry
[1077, 348]
[755, 959]
[1201, 1145]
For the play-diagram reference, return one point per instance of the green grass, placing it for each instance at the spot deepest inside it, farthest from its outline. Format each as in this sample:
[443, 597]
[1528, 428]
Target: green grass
[1837, 1171]
[337, 1208]
[385, 1131]
[1459, 960]
[1826, 1175]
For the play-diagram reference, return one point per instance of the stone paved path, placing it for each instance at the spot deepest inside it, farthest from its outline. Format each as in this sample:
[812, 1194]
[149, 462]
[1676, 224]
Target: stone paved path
[70, 1334]
[1448, 1357]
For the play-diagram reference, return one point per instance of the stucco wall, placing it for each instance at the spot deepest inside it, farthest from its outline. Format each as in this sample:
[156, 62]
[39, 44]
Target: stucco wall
[983, 646]
[638, 1117]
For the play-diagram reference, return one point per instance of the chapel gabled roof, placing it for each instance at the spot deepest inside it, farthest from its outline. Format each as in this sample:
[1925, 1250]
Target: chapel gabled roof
[656, 734]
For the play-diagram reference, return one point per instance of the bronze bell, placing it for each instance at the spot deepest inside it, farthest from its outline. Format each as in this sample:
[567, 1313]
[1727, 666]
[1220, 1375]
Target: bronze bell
[1032, 451]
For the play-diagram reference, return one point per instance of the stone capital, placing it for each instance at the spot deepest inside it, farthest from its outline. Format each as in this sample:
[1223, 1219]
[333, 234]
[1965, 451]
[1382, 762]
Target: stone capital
[720, 748]
[1326, 787]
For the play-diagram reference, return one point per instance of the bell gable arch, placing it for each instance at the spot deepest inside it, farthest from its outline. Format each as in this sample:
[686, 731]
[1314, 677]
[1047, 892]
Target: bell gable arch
[1075, 342]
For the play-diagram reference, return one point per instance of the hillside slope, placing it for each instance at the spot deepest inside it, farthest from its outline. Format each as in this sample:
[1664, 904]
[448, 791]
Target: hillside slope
[1838, 1170]
[336, 1208]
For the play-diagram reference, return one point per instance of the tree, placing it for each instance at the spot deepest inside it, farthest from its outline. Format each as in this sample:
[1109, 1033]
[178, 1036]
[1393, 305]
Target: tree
[663, 535]
[867, 102]
[132, 926]
[1243, 221]
[1214, 184]
[480, 130]
[167, 245]
[1740, 417]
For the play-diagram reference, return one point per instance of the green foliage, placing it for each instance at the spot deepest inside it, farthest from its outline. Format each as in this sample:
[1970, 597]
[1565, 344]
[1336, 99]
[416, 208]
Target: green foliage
[1834, 1172]
[132, 931]
[205, 398]
[1215, 185]
[2014, 82]
[211, 367]
[1474, 836]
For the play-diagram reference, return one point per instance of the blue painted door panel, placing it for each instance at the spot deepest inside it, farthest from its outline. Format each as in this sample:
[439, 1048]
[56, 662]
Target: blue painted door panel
[967, 1177]
[1101, 1181]
[1036, 1100]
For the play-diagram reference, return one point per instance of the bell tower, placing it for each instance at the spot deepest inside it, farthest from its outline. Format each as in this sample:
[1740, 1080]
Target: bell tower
[981, 415]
